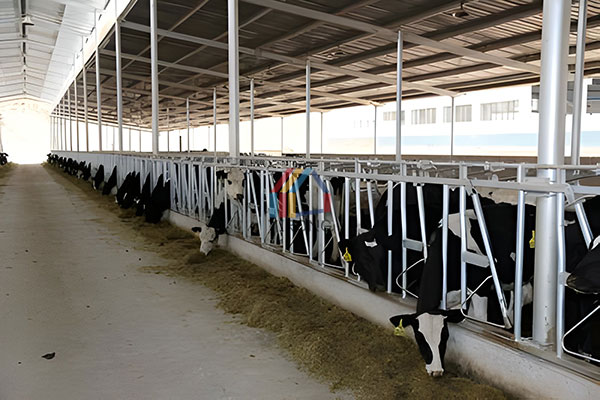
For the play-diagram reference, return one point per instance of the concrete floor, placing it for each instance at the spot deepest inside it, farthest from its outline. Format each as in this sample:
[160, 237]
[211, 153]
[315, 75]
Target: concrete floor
[69, 285]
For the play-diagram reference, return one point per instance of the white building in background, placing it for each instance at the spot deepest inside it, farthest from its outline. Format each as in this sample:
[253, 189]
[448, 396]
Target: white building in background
[489, 122]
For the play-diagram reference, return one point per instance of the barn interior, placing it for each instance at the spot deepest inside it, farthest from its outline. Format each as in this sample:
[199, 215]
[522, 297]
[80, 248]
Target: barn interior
[178, 91]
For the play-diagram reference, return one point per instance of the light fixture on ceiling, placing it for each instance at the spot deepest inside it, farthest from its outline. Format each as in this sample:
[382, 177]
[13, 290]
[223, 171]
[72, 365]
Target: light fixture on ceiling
[27, 21]
[460, 13]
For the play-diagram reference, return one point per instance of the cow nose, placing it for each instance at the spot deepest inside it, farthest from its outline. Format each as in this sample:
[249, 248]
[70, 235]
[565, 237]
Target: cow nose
[436, 374]
[239, 197]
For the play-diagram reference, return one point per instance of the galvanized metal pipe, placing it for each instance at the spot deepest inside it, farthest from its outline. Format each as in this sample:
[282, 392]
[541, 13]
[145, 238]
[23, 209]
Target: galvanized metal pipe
[445, 211]
[578, 84]
[119, 79]
[76, 112]
[70, 120]
[307, 108]
[561, 268]
[551, 142]
[452, 107]
[154, 73]
[85, 99]
[234, 78]
[215, 123]
[252, 117]
[98, 82]
[518, 292]
[399, 98]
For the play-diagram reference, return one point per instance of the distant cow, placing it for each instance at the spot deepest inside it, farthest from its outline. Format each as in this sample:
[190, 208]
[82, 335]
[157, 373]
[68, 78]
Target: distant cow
[129, 191]
[160, 201]
[98, 182]
[110, 187]
[3, 158]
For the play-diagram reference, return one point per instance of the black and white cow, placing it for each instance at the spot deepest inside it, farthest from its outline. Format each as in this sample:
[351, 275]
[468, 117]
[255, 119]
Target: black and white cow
[98, 182]
[144, 198]
[431, 335]
[129, 191]
[368, 250]
[583, 294]
[209, 233]
[110, 186]
[3, 158]
[160, 201]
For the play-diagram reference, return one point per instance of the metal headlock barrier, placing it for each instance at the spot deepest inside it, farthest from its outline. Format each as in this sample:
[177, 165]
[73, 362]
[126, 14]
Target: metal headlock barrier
[280, 219]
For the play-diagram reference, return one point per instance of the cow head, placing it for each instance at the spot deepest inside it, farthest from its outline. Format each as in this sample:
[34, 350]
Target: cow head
[208, 236]
[431, 335]
[234, 184]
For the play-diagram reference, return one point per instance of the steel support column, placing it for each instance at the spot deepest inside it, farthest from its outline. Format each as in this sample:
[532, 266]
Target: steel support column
[76, 112]
[578, 83]
[399, 98]
[98, 81]
[375, 132]
[70, 120]
[85, 98]
[551, 146]
[187, 121]
[154, 67]
[252, 117]
[234, 78]
[307, 108]
[452, 117]
[215, 121]
[119, 80]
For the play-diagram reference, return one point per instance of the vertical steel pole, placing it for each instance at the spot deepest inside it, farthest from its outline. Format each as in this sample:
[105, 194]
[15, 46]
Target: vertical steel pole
[70, 120]
[234, 78]
[321, 133]
[281, 136]
[98, 91]
[187, 122]
[168, 132]
[154, 68]
[578, 83]
[215, 122]
[445, 210]
[551, 146]
[399, 99]
[561, 256]
[307, 108]
[119, 80]
[375, 132]
[252, 117]
[85, 98]
[76, 112]
[452, 110]
[518, 292]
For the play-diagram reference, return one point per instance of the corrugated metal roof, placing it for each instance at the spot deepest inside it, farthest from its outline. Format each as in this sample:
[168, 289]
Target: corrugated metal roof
[506, 28]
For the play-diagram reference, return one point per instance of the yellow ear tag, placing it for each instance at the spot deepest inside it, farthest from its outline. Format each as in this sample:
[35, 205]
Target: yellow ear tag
[347, 256]
[532, 240]
[399, 330]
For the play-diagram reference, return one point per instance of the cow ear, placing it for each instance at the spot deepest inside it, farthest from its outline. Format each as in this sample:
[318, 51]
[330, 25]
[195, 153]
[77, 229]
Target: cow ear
[404, 319]
[454, 316]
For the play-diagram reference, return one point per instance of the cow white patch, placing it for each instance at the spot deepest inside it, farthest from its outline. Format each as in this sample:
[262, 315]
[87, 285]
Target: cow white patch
[430, 326]
[478, 307]
[595, 243]
[207, 237]
[371, 244]
[454, 226]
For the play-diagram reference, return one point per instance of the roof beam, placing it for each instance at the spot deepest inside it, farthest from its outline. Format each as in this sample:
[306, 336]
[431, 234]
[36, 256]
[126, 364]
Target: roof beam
[392, 35]
[290, 60]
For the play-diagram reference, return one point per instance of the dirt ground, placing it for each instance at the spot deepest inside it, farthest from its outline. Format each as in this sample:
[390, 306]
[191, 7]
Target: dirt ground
[332, 344]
